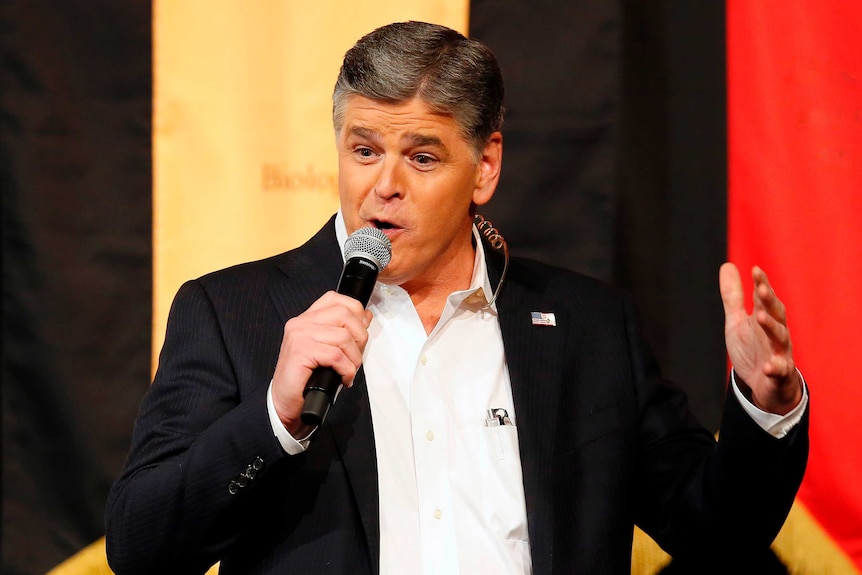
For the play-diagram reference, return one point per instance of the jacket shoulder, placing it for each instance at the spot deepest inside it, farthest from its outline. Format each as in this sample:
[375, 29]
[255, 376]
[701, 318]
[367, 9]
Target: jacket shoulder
[317, 256]
[565, 284]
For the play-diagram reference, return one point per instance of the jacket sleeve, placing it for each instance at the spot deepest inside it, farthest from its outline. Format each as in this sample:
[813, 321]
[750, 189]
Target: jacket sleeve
[199, 452]
[726, 499]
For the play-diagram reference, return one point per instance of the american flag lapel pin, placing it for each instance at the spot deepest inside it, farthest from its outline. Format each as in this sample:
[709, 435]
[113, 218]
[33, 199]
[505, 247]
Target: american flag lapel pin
[543, 318]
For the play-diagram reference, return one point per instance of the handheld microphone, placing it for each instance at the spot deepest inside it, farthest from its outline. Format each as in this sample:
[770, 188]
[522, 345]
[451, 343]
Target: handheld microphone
[366, 252]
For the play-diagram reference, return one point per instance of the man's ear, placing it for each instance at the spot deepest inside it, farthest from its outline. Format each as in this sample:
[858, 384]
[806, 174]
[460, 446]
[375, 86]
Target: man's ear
[490, 164]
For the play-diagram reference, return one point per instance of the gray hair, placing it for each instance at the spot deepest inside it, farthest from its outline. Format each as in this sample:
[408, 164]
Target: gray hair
[453, 75]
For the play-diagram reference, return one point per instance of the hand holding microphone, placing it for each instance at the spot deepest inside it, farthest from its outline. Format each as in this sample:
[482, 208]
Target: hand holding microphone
[322, 347]
[366, 252]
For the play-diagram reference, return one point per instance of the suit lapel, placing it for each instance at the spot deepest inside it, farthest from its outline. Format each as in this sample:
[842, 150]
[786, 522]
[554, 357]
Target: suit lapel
[312, 270]
[534, 358]
[349, 422]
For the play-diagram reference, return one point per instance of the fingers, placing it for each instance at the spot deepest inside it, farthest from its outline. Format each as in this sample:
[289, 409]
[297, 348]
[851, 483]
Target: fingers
[775, 330]
[326, 346]
[765, 298]
[337, 311]
[333, 299]
[771, 315]
[780, 363]
[730, 286]
[759, 344]
[332, 332]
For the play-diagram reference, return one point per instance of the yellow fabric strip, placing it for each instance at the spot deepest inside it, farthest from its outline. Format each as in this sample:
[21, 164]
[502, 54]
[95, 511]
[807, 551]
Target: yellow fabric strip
[802, 545]
[807, 549]
[243, 148]
[92, 561]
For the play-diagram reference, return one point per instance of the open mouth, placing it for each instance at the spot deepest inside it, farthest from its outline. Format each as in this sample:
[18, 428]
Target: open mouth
[381, 225]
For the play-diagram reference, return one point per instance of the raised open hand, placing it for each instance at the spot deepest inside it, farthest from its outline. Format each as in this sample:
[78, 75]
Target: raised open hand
[759, 344]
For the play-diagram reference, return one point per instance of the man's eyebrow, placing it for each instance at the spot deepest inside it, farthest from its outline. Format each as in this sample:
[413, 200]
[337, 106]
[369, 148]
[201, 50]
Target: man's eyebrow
[422, 140]
[411, 138]
[364, 133]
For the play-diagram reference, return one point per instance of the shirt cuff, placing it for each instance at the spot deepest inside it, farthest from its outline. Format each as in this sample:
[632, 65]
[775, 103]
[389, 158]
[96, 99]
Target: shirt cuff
[290, 444]
[775, 425]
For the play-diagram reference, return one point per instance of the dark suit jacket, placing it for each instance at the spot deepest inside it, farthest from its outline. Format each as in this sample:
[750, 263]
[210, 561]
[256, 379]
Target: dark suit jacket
[605, 443]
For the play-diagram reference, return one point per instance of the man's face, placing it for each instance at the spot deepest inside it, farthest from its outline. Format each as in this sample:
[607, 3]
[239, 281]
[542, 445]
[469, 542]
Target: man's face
[408, 171]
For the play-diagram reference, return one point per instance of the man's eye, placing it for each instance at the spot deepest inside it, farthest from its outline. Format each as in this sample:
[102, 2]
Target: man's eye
[424, 159]
[364, 154]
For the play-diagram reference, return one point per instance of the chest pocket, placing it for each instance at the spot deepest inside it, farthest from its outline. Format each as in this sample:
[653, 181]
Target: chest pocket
[502, 483]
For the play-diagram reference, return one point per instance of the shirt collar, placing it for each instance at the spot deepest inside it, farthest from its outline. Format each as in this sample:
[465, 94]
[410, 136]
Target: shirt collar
[340, 232]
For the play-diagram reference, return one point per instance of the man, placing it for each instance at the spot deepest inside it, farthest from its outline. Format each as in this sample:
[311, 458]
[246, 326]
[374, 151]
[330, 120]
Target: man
[522, 434]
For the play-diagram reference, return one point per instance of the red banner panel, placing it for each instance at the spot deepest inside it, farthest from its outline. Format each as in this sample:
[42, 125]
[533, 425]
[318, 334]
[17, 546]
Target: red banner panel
[795, 206]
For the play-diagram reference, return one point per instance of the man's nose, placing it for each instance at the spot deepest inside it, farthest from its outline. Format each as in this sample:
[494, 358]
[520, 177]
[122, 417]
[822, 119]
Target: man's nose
[390, 180]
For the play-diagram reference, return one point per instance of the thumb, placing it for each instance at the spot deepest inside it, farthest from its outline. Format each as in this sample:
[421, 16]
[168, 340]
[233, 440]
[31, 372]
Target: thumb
[730, 286]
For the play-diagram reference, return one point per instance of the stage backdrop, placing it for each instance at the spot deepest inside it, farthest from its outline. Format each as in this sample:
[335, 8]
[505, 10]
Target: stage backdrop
[244, 151]
[795, 126]
[146, 144]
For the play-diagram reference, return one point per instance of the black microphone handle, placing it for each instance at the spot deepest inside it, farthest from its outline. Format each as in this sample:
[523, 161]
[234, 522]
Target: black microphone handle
[319, 394]
[357, 281]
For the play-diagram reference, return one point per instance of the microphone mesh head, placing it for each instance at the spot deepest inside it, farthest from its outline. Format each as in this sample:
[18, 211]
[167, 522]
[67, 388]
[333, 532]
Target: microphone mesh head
[371, 244]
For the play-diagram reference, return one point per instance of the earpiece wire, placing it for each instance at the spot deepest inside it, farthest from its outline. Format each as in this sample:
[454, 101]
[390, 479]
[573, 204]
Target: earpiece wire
[498, 243]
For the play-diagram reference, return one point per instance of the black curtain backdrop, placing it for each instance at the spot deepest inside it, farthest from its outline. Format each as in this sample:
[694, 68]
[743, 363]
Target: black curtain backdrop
[614, 165]
[615, 161]
[76, 187]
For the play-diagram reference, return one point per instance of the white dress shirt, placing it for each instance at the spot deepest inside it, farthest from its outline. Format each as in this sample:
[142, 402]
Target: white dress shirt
[450, 481]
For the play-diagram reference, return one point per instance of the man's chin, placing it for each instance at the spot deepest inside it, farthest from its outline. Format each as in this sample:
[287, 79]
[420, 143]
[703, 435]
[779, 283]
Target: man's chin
[392, 275]
[388, 279]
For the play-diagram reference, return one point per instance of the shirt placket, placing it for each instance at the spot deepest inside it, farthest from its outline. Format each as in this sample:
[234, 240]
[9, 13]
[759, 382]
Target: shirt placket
[431, 449]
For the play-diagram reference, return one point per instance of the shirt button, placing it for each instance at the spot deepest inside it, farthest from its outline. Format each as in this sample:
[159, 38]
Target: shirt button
[430, 436]
[423, 359]
[438, 514]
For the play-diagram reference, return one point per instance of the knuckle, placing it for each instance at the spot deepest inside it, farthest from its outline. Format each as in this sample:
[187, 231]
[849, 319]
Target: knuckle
[334, 355]
[363, 337]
